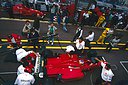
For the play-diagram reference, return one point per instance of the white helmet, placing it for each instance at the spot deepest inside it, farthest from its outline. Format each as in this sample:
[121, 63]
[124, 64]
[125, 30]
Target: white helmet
[21, 53]
[69, 48]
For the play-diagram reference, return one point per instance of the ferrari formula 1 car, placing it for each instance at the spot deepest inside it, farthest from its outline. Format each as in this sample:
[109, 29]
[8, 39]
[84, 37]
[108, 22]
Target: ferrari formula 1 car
[25, 11]
[68, 67]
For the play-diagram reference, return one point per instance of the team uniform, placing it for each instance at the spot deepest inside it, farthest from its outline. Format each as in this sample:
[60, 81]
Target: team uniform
[28, 58]
[24, 79]
[106, 75]
[100, 21]
[79, 46]
[14, 40]
[103, 35]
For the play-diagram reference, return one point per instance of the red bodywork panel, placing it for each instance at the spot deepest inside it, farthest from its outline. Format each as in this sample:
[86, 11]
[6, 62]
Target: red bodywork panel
[68, 67]
[23, 10]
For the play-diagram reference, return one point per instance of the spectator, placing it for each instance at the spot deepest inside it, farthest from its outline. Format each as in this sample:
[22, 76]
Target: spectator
[65, 22]
[65, 11]
[30, 2]
[81, 14]
[36, 23]
[34, 38]
[59, 17]
[114, 20]
[93, 18]
[106, 75]
[75, 20]
[9, 8]
[85, 18]
[26, 29]
[51, 32]
[53, 12]
[89, 38]
[102, 37]
[114, 42]
[79, 32]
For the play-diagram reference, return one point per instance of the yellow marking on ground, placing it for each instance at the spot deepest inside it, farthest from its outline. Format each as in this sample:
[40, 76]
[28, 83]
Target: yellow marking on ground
[121, 44]
[62, 41]
[64, 47]
[9, 47]
[24, 40]
[52, 47]
[42, 41]
[4, 40]
[27, 46]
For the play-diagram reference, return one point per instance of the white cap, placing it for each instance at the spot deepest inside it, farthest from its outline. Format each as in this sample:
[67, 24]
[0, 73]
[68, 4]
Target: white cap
[69, 48]
[21, 53]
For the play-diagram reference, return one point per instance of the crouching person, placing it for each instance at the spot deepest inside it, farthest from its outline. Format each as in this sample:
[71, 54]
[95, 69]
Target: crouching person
[26, 57]
[106, 75]
[14, 40]
[25, 78]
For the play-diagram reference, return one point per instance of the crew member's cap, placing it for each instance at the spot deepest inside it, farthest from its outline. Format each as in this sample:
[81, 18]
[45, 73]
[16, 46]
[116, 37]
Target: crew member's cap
[107, 29]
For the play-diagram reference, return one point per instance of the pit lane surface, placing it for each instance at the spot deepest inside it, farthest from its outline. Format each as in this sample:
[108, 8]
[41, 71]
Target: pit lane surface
[8, 60]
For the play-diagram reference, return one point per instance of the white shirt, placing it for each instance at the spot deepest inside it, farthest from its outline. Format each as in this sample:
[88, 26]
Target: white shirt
[106, 74]
[79, 45]
[20, 70]
[90, 37]
[25, 79]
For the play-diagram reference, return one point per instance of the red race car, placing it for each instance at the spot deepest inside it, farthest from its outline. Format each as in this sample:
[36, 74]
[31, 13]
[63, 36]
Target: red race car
[25, 11]
[68, 67]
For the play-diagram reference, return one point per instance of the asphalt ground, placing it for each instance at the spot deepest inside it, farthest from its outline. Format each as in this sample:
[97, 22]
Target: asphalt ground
[8, 63]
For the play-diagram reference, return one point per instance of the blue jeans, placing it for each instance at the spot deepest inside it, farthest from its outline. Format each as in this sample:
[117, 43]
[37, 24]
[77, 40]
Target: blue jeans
[51, 38]
[64, 28]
